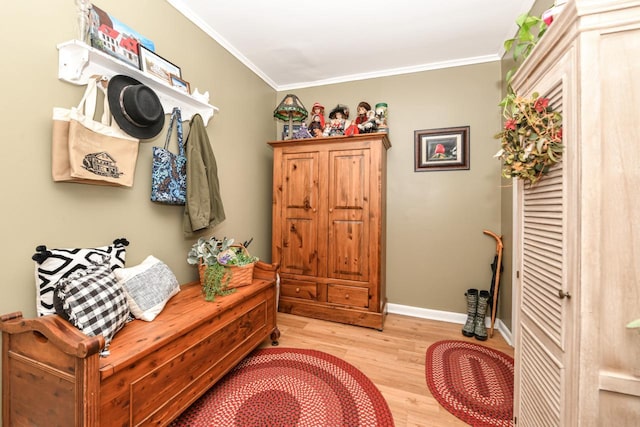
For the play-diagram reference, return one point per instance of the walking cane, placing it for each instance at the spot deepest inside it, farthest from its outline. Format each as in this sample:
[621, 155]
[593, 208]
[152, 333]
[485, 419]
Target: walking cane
[494, 305]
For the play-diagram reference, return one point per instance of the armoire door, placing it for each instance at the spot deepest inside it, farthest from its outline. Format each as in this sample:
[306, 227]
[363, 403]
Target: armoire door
[348, 215]
[544, 279]
[300, 213]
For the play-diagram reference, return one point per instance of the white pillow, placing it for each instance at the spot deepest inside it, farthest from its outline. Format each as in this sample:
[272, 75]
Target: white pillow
[148, 286]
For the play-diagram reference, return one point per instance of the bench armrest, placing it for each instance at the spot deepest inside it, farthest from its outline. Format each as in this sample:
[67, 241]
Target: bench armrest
[265, 271]
[63, 335]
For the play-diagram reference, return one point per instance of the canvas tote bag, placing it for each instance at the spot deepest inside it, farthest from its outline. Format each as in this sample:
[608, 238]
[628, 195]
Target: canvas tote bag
[60, 168]
[91, 152]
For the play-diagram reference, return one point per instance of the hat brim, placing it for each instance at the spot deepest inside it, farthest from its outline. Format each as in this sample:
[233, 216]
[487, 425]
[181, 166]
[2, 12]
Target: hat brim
[332, 114]
[116, 84]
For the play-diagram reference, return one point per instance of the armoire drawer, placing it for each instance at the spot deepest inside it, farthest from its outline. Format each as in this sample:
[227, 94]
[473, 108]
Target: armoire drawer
[353, 296]
[298, 289]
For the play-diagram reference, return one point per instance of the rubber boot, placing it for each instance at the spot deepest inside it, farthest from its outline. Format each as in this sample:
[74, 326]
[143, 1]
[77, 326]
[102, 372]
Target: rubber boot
[472, 305]
[479, 330]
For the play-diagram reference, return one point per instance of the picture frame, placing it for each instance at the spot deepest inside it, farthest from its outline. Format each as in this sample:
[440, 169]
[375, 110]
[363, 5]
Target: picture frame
[113, 37]
[180, 84]
[285, 130]
[155, 65]
[442, 149]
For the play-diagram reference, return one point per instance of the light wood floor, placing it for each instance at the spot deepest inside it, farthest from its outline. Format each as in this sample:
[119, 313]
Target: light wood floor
[393, 359]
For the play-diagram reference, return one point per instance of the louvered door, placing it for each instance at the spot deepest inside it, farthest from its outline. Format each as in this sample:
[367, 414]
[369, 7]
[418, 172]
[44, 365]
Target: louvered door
[543, 315]
[544, 310]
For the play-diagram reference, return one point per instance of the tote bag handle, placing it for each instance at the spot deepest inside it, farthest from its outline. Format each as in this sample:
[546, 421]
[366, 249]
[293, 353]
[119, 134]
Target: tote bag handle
[177, 117]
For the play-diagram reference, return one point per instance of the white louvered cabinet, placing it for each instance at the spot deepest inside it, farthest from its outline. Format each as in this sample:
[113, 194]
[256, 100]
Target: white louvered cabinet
[577, 232]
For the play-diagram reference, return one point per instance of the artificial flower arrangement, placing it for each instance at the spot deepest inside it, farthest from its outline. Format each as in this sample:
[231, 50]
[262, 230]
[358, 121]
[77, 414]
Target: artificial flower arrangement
[531, 138]
[222, 265]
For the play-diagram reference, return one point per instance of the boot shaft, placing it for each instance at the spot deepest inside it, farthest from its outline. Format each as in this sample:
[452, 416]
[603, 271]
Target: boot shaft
[483, 303]
[472, 305]
[472, 300]
[480, 331]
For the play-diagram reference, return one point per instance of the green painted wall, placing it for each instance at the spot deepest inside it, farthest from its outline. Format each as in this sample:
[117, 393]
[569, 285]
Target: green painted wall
[435, 245]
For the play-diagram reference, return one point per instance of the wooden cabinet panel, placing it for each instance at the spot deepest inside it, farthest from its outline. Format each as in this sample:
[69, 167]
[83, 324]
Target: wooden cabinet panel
[328, 227]
[298, 289]
[56, 405]
[353, 296]
[348, 249]
[300, 214]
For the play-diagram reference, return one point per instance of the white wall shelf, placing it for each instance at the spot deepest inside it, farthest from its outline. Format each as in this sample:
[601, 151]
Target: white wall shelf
[77, 62]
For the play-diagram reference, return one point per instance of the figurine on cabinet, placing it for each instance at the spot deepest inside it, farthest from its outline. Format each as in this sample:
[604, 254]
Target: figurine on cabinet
[352, 129]
[338, 121]
[302, 132]
[317, 114]
[316, 128]
[366, 120]
[381, 117]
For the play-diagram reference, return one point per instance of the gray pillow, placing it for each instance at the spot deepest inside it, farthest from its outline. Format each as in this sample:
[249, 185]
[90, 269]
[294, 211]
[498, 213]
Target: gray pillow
[148, 287]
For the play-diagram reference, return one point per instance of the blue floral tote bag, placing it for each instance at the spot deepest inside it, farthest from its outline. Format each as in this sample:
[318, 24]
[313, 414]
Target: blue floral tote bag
[169, 170]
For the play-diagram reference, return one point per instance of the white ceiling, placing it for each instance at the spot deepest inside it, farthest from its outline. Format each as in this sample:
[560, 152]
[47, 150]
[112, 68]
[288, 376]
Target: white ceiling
[299, 44]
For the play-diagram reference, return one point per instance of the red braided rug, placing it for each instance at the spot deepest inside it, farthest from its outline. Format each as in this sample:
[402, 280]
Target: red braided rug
[473, 382]
[290, 387]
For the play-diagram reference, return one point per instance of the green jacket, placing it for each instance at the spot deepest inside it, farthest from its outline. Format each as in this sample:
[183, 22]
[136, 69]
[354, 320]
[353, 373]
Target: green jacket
[203, 208]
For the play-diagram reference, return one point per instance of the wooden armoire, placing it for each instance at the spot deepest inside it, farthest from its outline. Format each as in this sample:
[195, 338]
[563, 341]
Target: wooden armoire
[577, 231]
[329, 227]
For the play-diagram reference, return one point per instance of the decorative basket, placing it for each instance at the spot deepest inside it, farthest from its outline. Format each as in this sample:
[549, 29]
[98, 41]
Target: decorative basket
[238, 275]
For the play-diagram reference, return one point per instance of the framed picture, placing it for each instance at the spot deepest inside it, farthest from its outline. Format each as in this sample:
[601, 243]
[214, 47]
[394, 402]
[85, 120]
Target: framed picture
[157, 66]
[108, 34]
[285, 131]
[180, 84]
[442, 149]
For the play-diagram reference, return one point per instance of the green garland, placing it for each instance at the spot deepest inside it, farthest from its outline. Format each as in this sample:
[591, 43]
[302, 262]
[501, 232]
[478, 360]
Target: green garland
[531, 139]
[215, 283]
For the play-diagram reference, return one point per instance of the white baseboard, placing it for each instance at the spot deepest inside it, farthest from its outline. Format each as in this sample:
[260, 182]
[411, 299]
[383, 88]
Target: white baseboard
[446, 316]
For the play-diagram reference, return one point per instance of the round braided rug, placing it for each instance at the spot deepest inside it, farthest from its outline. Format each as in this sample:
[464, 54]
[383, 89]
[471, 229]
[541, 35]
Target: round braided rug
[473, 382]
[290, 387]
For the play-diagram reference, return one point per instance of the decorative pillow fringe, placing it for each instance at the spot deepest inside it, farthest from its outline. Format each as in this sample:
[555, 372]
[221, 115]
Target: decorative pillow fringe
[42, 253]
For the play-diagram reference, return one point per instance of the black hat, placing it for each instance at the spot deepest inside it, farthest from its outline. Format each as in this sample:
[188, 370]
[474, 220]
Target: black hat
[340, 108]
[135, 107]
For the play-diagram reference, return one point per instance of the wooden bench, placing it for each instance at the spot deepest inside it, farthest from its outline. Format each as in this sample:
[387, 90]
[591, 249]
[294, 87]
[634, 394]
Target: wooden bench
[53, 375]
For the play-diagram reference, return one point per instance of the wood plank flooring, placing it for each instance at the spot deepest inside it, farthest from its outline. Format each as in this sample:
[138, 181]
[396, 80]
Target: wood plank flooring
[393, 359]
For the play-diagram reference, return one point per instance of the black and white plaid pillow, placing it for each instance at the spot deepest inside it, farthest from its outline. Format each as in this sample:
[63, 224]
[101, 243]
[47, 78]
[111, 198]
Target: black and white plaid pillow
[93, 301]
[55, 264]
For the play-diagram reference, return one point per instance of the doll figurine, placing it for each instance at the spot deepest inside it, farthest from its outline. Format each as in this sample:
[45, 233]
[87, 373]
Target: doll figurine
[317, 114]
[338, 121]
[381, 117]
[366, 120]
[315, 126]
